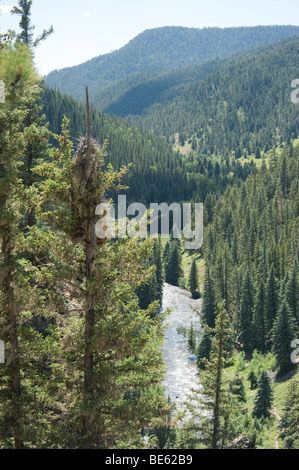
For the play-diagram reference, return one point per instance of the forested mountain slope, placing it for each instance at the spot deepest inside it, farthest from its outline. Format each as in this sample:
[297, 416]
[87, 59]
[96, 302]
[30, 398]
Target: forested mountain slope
[243, 107]
[157, 174]
[163, 49]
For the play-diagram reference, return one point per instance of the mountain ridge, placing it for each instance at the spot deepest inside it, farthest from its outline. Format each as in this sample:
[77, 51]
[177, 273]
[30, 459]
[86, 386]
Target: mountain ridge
[163, 49]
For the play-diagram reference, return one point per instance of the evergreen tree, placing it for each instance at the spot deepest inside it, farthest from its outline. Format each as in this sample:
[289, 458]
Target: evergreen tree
[193, 280]
[119, 348]
[246, 312]
[191, 340]
[259, 320]
[253, 380]
[271, 301]
[25, 399]
[159, 270]
[173, 266]
[208, 300]
[37, 133]
[238, 389]
[264, 397]
[26, 34]
[284, 332]
[204, 349]
[289, 423]
[292, 291]
[215, 426]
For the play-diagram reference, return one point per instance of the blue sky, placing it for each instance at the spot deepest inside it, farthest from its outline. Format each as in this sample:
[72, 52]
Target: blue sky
[84, 29]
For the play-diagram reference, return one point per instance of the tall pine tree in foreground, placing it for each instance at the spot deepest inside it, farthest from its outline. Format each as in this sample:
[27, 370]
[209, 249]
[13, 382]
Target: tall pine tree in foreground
[116, 359]
[212, 413]
[26, 401]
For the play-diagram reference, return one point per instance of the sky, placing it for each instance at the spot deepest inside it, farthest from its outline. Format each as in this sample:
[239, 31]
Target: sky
[84, 29]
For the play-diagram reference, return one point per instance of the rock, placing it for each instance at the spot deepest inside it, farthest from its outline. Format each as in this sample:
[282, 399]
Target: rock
[243, 443]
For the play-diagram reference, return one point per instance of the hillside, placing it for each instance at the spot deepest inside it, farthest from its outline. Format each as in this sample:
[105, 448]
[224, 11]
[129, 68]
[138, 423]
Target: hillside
[244, 107]
[158, 173]
[163, 49]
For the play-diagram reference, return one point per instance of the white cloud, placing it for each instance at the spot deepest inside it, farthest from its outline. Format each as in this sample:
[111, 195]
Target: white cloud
[5, 9]
[86, 14]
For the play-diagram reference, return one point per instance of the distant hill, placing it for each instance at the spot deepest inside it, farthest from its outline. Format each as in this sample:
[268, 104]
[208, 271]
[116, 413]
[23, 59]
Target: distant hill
[244, 107]
[161, 50]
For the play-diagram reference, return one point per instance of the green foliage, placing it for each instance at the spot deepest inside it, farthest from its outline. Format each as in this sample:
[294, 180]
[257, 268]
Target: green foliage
[193, 280]
[237, 108]
[191, 340]
[284, 332]
[173, 263]
[264, 397]
[160, 50]
[216, 398]
[204, 349]
[289, 423]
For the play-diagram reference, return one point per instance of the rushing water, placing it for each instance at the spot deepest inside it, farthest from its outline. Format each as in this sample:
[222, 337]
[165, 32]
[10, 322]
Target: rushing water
[180, 364]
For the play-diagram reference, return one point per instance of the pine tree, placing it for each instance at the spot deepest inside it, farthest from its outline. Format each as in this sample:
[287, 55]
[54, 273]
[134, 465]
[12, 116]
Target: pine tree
[191, 340]
[284, 332]
[246, 312]
[253, 380]
[173, 266]
[26, 34]
[37, 133]
[289, 423]
[204, 349]
[264, 397]
[271, 302]
[118, 363]
[259, 320]
[193, 280]
[21, 82]
[208, 301]
[292, 291]
[159, 270]
[215, 426]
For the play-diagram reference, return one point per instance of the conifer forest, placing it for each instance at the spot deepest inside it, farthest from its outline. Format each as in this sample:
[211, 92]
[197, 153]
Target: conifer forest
[124, 341]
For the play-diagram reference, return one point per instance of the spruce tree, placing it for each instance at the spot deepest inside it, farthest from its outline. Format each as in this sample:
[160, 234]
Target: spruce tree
[215, 427]
[284, 332]
[292, 291]
[208, 300]
[264, 398]
[271, 301]
[193, 280]
[259, 320]
[36, 132]
[191, 340]
[19, 280]
[204, 349]
[159, 270]
[246, 312]
[117, 361]
[289, 423]
[173, 266]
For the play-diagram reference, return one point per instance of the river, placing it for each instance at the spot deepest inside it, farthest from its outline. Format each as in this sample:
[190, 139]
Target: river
[181, 369]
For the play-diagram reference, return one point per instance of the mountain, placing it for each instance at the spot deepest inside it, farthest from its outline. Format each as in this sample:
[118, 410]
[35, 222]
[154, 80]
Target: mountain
[244, 107]
[158, 173]
[161, 50]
